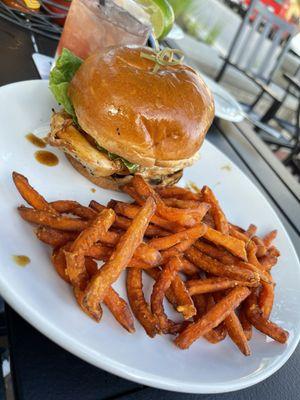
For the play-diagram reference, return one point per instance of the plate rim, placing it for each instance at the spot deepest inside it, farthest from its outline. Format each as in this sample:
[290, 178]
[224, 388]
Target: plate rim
[54, 333]
[239, 117]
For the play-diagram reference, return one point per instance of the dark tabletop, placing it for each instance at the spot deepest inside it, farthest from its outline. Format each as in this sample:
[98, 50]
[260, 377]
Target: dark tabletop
[42, 370]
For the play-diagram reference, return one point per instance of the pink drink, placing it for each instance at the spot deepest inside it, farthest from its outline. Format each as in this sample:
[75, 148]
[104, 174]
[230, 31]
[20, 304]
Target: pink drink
[91, 26]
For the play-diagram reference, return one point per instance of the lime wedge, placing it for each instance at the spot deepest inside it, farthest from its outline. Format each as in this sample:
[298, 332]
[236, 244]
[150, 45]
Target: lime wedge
[161, 16]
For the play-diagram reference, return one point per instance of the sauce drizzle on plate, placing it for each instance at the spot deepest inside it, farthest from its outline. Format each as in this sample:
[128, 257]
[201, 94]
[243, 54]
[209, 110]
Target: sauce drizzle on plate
[36, 141]
[46, 158]
[21, 260]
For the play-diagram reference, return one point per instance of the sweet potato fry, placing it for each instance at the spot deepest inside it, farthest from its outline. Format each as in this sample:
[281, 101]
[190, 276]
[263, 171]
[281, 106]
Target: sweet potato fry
[237, 233]
[184, 301]
[184, 217]
[75, 257]
[154, 231]
[44, 218]
[167, 254]
[201, 286]
[129, 189]
[232, 327]
[262, 274]
[170, 295]
[148, 254]
[237, 228]
[176, 250]
[247, 327]
[187, 217]
[251, 231]
[218, 333]
[178, 203]
[140, 264]
[54, 237]
[96, 206]
[160, 287]
[236, 333]
[177, 193]
[59, 261]
[171, 240]
[75, 208]
[226, 258]
[215, 252]
[208, 220]
[99, 251]
[119, 309]
[212, 318]
[117, 306]
[138, 303]
[90, 266]
[233, 245]
[200, 304]
[215, 335]
[203, 304]
[97, 231]
[110, 271]
[262, 324]
[269, 237]
[30, 195]
[79, 295]
[143, 252]
[273, 251]
[268, 262]
[260, 247]
[103, 253]
[183, 246]
[130, 211]
[266, 298]
[251, 254]
[84, 212]
[177, 294]
[220, 220]
[120, 222]
[64, 206]
[188, 268]
[215, 267]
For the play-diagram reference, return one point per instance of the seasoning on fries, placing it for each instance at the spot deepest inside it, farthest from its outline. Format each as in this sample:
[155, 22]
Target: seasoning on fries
[216, 275]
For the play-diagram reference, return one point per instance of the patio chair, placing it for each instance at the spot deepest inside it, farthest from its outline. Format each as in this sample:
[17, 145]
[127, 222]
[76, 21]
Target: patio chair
[254, 54]
[292, 159]
[257, 52]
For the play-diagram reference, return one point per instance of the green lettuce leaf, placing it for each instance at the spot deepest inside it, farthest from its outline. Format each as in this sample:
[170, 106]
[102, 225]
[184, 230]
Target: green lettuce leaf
[130, 166]
[60, 77]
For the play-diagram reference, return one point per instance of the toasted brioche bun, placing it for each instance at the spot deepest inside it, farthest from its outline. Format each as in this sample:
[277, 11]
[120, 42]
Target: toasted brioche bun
[147, 118]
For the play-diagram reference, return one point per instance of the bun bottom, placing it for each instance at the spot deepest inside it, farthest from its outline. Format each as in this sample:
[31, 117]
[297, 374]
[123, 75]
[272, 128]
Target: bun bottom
[115, 183]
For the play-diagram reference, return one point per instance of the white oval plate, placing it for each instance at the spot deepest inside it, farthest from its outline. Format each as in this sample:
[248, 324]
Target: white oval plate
[44, 300]
[226, 106]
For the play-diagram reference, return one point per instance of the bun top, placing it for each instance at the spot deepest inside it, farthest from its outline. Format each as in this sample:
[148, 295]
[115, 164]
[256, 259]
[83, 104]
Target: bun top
[145, 117]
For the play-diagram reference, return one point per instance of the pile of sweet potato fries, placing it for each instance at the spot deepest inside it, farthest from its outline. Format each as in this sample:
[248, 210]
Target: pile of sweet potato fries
[216, 275]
